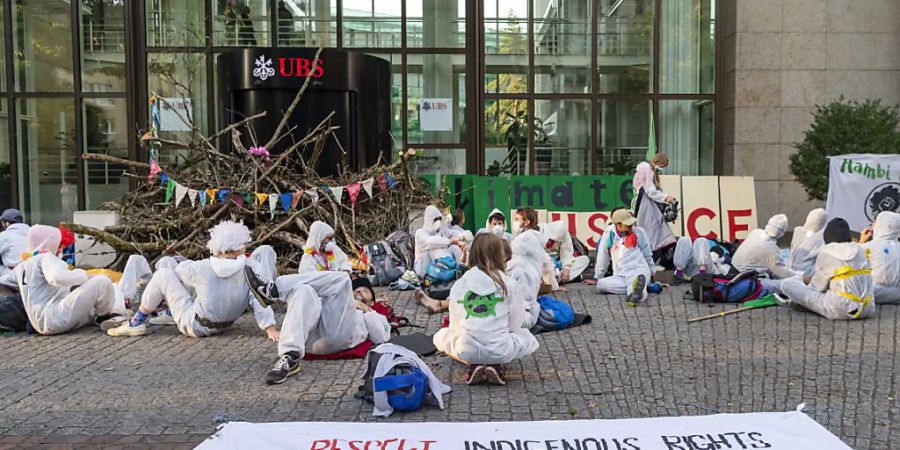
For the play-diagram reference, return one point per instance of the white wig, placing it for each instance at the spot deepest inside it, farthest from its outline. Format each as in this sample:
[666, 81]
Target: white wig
[228, 236]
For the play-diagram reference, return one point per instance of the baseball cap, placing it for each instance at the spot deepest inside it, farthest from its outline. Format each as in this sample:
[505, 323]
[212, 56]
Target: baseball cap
[12, 215]
[624, 217]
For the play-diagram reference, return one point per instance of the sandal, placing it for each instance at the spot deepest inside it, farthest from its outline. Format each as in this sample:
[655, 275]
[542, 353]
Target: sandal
[475, 375]
[495, 375]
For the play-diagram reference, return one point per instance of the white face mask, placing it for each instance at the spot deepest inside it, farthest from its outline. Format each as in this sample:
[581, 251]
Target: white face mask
[517, 227]
[498, 229]
[448, 219]
[329, 246]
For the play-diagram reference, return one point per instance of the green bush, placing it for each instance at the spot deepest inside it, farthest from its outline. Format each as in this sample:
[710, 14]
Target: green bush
[840, 128]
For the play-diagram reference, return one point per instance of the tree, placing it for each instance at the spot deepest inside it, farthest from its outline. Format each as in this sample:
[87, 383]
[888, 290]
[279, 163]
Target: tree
[839, 128]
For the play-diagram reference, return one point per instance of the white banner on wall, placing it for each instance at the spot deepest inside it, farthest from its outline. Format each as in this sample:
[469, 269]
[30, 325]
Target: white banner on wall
[774, 431]
[174, 114]
[436, 114]
[862, 185]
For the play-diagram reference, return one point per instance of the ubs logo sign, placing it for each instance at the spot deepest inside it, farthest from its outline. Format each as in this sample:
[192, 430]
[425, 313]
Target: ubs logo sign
[263, 68]
[288, 67]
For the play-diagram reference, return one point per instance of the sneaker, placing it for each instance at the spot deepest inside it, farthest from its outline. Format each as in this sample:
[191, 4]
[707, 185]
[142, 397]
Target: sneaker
[286, 366]
[637, 289]
[111, 321]
[127, 330]
[495, 375]
[266, 293]
[782, 299]
[164, 318]
[475, 375]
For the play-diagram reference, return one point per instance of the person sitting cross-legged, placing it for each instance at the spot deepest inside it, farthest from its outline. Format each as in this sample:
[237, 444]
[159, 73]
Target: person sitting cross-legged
[626, 246]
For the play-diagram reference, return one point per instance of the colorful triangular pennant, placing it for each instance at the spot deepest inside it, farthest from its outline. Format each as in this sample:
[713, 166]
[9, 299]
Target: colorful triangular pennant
[286, 200]
[353, 192]
[367, 186]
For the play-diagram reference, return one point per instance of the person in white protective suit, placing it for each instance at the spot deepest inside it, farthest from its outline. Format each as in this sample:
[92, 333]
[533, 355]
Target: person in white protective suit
[648, 194]
[57, 299]
[526, 221]
[487, 315]
[695, 257]
[456, 231]
[135, 277]
[627, 247]
[320, 252]
[431, 244]
[842, 287]
[496, 223]
[760, 252]
[884, 251]
[13, 240]
[526, 267]
[326, 313]
[206, 297]
[559, 246]
[807, 242]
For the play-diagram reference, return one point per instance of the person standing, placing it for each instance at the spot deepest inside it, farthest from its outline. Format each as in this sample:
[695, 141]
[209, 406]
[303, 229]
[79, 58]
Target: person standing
[648, 200]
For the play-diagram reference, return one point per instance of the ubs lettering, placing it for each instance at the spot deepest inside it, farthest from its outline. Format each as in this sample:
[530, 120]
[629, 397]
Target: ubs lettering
[300, 67]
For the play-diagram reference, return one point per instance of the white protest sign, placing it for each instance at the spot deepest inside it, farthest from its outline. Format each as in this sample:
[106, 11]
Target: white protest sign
[773, 431]
[436, 114]
[174, 114]
[738, 202]
[862, 185]
[701, 213]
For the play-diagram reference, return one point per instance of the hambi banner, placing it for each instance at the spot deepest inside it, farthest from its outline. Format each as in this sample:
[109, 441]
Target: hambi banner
[774, 431]
[862, 185]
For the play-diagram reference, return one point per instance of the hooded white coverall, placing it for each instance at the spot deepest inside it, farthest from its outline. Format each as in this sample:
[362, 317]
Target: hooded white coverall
[221, 292]
[841, 288]
[501, 233]
[13, 242]
[526, 267]
[807, 242]
[884, 251]
[462, 235]
[321, 315]
[760, 252]
[315, 258]
[689, 256]
[649, 217]
[431, 244]
[559, 246]
[627, 263]
[45, 284]
[486, 327]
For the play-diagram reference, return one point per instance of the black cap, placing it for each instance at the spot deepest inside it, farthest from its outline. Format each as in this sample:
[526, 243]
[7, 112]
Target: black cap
[837, 230]
[363, 282]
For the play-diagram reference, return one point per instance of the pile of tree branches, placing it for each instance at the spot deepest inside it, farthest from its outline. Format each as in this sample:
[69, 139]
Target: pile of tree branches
[154, 227]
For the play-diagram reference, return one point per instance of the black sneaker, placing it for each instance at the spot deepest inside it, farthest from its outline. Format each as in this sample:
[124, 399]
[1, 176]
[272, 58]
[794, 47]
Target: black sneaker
[288, 364]
[637, 289]
[266, 293]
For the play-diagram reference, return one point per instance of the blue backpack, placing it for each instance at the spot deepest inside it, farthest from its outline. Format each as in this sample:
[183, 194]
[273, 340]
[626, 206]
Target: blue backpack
[555, 314]
[441, 270]
[711, 288]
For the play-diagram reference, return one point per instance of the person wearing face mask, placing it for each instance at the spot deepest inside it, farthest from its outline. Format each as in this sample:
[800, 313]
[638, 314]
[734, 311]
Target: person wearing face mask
[321, 252]
[626, 246]
[456, 231]
[648, 199]
[496, 223]
[760, 252]
[807, 242]
[431, 244]
[842, 287]
[526, 222]
[884, 250]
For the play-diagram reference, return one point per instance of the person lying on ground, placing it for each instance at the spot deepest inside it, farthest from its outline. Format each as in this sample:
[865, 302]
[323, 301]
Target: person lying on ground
[206, 297]
[760, 252]
[807, 242]
[487, 315]
[326, 313]
[625, 245]
[692, 258]
[431, 244]
[320, 252]
[57, 299]
[880, 243]
[496, 223]
[842, 287]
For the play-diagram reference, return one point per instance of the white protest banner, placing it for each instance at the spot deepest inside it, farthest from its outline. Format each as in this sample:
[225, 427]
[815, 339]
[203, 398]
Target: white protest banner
[436, 114]
[700, 202]
[862, 185]
[773, 431]
[738, 202]
[174, 114]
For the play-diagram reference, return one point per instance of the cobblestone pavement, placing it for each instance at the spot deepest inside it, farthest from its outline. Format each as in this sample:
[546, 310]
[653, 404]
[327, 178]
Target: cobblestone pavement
[164, 389]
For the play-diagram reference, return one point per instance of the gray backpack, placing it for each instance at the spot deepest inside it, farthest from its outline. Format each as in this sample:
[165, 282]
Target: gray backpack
[384, 265]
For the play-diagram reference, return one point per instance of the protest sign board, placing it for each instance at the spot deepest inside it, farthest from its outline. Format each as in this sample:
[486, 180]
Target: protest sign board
[862, 185]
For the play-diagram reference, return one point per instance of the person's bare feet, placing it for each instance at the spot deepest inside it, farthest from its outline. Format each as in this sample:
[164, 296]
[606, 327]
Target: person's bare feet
[433, 306]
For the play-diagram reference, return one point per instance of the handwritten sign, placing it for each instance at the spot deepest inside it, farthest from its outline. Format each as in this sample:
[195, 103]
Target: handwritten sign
[862, 185]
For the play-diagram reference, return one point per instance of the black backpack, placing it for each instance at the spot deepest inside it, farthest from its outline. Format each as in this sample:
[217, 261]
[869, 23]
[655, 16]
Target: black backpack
[403, 246]
[12, 314]
[384, 264]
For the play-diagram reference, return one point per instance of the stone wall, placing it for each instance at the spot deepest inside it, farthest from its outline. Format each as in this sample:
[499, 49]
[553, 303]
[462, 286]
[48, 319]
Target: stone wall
[783, 57]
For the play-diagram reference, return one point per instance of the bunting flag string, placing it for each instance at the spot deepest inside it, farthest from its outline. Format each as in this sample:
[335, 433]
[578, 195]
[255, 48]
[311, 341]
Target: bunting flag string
[238, 199]
[163, 179]
[313, 195]
[382, 182]
[203, 196]
[170, 190]
[262, 197]
[367, 185]
[338, 192]
[353, 192]
[223, 195]
[249, 198]
[154, 169]
[192, 196]
[286, 200]
[295, 199]
[212, 195]
[390, 181]
[273, 202]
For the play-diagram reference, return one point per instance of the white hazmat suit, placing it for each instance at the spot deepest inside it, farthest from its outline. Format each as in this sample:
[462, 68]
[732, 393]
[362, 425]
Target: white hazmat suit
[760, 252]
[457, 232]
[13, 242]
[316, 258]
[559, 246]
[807, 242]
[690, 256]
[884, 251]
[526, 267]
[627, 262]
[841, 288]
[430, 243]
[499, 231]
[486, 327]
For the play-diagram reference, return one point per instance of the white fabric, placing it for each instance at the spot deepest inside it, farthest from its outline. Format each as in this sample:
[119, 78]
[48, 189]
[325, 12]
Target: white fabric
[563, 249]
[377, 327]
[13, 242]
[777, 226]
[690, 256]
[460, 234]
[616, 284]
[526, 267]
[430, 243]
[884, 251]
[760, 252]
[643, 178]
[391, 356]
[821, 295]
[627, 263]
[310, 262]
[805, 248]
[228, 236]
[498, 336]
[220, 291]
[45, 284]
[859, 185]
[321, 315]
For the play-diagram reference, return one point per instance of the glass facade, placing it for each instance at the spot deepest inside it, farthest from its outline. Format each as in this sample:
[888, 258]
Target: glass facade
[543, 87]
